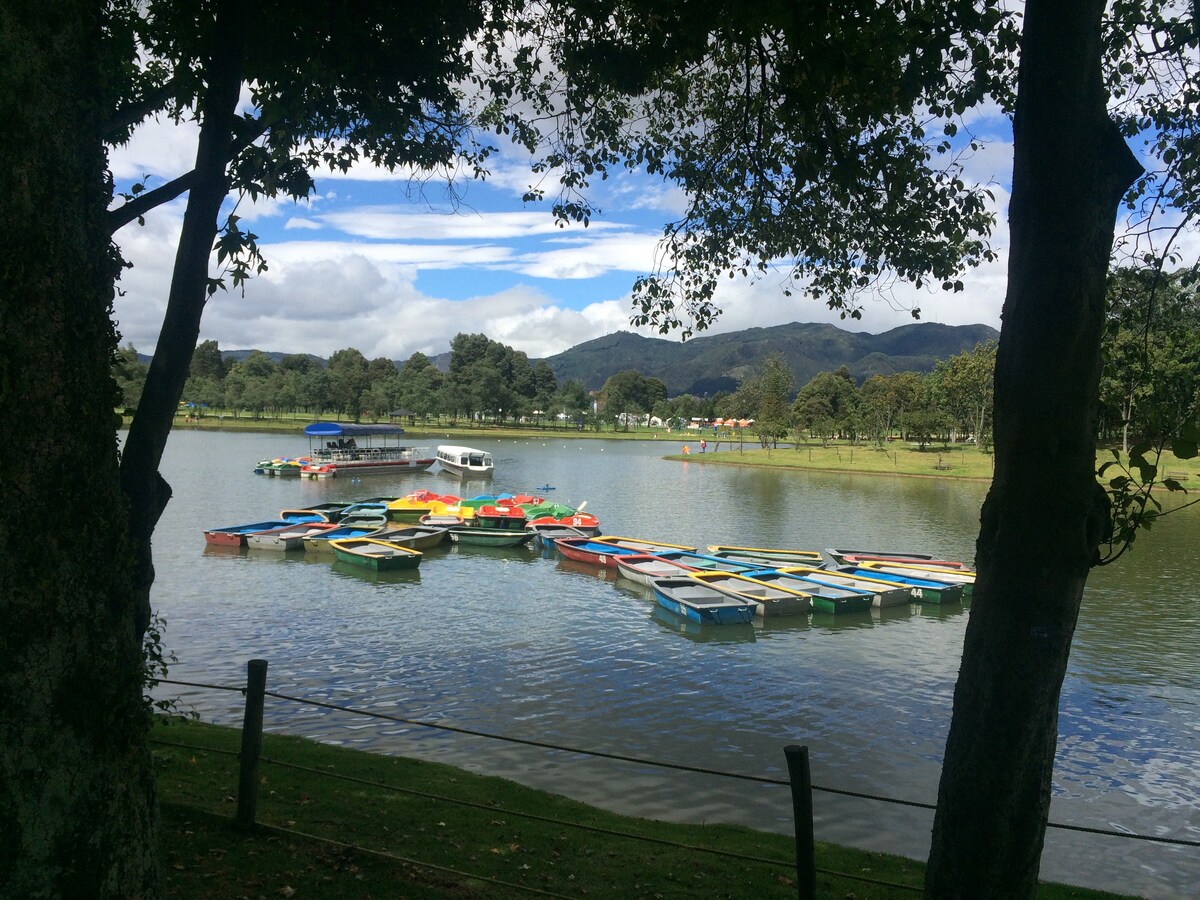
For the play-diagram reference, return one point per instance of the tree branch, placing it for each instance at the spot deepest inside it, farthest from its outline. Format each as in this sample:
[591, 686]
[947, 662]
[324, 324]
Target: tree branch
[246, 132]
[141, 204]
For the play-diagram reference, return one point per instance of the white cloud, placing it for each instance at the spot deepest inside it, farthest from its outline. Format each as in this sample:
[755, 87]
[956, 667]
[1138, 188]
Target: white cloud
[391, 223]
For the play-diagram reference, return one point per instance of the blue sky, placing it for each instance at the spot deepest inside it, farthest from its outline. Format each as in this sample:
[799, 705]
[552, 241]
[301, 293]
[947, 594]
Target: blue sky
[367, 264]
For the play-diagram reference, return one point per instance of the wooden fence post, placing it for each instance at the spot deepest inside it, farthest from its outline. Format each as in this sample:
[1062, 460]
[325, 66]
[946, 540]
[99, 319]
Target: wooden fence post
[801, 778]
[256, 686]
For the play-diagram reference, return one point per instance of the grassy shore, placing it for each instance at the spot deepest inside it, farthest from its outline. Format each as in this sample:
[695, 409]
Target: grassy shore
[337, 823]
[895, 458]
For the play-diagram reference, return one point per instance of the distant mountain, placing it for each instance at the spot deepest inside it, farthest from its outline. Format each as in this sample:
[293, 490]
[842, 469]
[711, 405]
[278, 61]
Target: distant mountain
[718, 362]
[276, 357]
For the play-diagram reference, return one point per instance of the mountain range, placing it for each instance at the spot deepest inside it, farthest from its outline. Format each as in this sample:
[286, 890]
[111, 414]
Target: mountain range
[719, 362]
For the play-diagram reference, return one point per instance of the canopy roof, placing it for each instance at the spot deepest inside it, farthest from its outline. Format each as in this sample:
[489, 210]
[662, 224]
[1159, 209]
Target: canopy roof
[348, 429]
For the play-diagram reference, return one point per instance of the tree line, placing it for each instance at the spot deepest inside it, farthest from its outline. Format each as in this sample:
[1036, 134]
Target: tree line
[1149, 386]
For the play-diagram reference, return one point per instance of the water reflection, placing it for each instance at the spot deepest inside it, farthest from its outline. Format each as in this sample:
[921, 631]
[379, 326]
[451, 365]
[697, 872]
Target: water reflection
[702, 634]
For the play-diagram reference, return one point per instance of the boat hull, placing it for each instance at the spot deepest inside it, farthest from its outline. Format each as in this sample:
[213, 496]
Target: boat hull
[645, 567]
[465, 461]
[883, 594]
[769, 600]
[414, 537]
[378, 556]
[692, 600]
[490, 537]
[923, 590]
[587, 550]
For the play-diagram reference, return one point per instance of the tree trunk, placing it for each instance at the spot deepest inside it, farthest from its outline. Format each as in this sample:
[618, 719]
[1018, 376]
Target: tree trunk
[148, 491]
[77, 808]
[1045, 513]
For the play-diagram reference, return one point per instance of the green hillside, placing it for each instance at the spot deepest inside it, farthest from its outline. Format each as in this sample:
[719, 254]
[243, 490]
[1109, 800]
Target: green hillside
[718, 362]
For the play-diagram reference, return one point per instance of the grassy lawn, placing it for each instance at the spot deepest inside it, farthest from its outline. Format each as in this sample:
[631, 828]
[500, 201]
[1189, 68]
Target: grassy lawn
[363, 833]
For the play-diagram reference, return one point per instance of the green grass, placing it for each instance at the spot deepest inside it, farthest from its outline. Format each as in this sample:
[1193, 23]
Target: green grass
[362, 835]
[897, 458]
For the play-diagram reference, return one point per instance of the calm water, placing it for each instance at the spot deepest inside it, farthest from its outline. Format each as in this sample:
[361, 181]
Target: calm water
[513, 643]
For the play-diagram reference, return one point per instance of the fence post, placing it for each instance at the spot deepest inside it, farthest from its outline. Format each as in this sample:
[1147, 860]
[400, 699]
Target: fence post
[256, 686]
[801, 778]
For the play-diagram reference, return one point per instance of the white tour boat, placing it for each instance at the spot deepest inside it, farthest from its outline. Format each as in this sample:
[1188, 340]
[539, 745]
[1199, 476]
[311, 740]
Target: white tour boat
[464, 460]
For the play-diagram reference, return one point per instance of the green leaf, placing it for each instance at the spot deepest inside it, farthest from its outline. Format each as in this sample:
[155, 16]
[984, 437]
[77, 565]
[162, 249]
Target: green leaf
[1184, 449]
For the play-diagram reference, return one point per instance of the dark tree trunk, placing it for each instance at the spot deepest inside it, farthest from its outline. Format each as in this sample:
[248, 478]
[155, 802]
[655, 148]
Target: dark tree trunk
[1045, 513]
[148, 491]
[77, 809]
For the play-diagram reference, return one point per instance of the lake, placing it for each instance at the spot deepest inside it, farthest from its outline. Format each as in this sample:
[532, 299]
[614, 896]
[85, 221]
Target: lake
[519, 644]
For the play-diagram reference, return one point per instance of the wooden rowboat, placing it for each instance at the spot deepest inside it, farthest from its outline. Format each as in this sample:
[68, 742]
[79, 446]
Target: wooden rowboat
[379, 556]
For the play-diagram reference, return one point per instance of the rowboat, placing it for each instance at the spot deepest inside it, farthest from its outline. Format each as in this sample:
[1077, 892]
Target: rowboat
[768, 599]
[414, 537]
[490, 537]
[337, 448]
[701, 603]
[927, 590]
[883, 593]
[379, 556]
[374, 514]
[770, 554]
[441, 520]
[645, 567]
[640, 545]
[319, 543]
[839, 556]
[330, 512]
[464, 460]
[286, 538]
[591, 550]
[825, 597]
[546, 535]
[706, 563]
[965, 577]
[858, 559]
[235, 535]
[702, 634]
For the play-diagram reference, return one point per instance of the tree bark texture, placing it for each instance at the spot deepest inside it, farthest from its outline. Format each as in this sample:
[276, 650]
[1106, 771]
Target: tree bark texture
[1045, 514]
[148, 491]
[77, 808]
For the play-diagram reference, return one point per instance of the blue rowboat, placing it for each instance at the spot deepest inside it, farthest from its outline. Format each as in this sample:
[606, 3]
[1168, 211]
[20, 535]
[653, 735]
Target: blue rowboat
[701, 603]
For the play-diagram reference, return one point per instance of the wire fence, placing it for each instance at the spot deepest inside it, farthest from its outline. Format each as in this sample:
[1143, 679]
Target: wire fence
[799, 782]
